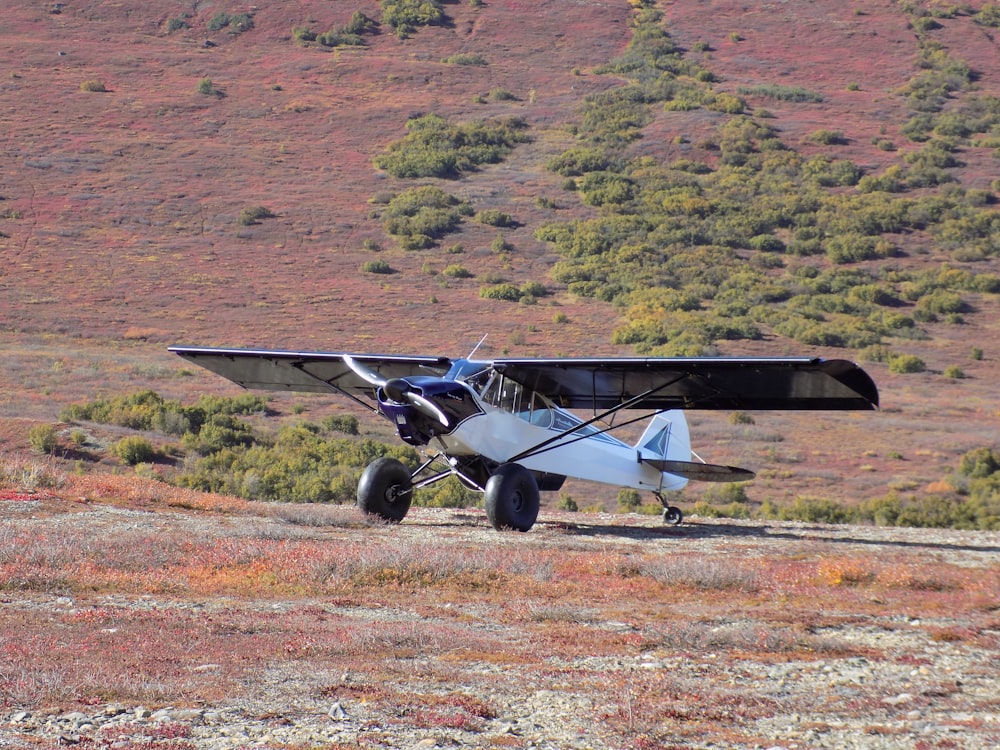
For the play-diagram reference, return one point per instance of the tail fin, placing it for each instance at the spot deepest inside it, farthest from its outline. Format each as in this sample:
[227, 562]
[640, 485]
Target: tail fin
[666, 445]
[666, 438]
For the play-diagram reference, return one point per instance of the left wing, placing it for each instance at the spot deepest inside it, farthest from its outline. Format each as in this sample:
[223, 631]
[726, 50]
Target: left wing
[696, 383]
[307, 371]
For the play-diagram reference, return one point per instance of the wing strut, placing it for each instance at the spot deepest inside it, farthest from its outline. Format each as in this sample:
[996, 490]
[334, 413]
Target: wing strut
[300, 366]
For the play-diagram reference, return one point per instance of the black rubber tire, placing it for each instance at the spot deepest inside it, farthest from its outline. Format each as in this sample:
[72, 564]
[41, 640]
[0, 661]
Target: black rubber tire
[673, 515]
[385, 490]
[512, 498]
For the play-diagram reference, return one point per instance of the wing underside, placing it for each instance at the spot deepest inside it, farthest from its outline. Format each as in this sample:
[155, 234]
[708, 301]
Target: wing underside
[307, 371]
[696, 383]
[584, 384]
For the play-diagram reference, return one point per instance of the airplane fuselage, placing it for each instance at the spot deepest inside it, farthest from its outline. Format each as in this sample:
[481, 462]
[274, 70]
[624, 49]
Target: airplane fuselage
[501, 418]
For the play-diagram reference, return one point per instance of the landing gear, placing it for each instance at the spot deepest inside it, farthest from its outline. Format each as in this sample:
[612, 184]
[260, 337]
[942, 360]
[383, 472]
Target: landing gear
[512, 498]
[672, 515]
[385, 490]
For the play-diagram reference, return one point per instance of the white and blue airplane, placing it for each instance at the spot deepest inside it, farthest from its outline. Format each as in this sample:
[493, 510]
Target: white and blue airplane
[507, 428]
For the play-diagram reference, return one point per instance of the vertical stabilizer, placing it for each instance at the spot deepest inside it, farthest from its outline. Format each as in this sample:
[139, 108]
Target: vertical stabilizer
[666, 438]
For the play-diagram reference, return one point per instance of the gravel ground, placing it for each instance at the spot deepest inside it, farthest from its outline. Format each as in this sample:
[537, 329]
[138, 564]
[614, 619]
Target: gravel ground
[879, 679]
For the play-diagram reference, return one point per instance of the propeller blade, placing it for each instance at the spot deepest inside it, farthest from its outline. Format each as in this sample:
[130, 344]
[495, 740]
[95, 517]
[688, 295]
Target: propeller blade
[427, 407]
[365, 373]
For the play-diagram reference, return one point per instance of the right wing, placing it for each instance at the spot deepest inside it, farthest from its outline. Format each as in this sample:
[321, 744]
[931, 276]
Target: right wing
[317, 372]
[696, 383]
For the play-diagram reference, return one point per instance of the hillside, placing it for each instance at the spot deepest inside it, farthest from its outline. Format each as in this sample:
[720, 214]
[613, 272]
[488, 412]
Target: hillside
[141, 137]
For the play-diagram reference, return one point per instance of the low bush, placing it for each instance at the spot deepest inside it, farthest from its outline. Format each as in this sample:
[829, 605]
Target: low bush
[254, 214]
[507, 292]
[43, 438]
[423, 215]
[234, 23]
[495, 218]
[465, 59]
[134, 450]
[434, 147]
[376, 266]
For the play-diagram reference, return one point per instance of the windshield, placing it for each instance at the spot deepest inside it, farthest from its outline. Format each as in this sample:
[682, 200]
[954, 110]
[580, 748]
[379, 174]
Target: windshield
[476, 374]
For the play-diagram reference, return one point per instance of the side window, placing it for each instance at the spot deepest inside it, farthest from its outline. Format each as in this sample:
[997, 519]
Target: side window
[541, 414]
[510, 396]
[491, 392]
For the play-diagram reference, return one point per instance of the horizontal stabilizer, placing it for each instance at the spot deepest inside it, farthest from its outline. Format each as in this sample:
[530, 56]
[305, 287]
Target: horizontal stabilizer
[701, 472]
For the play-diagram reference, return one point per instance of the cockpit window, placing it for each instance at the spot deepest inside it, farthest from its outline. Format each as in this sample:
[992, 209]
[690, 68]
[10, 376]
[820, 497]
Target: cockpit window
[476, 374]
[534, 408]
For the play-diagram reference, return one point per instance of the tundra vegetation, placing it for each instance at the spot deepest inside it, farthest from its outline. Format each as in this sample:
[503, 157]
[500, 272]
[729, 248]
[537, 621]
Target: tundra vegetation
[213, 445]
[757, 237]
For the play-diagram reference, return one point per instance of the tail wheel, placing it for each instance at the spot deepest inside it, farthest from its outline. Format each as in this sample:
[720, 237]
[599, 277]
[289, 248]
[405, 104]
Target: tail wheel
[385, 490]
[512, 498]
[672, 515]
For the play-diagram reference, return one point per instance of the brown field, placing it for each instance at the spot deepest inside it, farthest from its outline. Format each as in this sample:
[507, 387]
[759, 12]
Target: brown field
[119, 235]
[138, 616]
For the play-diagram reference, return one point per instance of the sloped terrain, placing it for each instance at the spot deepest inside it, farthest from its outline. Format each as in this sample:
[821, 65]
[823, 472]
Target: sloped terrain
[122, 227]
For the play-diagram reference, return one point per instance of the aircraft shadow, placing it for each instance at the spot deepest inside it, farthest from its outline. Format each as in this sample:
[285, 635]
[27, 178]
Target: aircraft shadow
[694, 530]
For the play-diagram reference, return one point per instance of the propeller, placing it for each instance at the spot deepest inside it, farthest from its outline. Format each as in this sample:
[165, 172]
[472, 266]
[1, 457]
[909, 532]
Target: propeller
[398, 389]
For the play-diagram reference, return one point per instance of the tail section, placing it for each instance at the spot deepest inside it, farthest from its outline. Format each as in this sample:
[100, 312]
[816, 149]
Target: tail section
[666, 438]
[666, 446]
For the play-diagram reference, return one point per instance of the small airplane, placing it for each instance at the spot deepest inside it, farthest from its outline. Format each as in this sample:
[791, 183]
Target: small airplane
[506, 427]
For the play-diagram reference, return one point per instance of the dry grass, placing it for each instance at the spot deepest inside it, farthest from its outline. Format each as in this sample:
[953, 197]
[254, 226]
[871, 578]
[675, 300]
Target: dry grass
[443, 624]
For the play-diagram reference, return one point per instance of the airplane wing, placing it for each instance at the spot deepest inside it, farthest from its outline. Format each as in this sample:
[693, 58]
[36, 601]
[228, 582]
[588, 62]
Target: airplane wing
[696, 383]
[307, 371]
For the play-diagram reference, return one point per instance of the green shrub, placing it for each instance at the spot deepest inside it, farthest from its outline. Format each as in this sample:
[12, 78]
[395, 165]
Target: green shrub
[303, 34]
[422, 215]
[906, 363]
[500, 244]
[495, 218]
[567, 503]
[253, 215]
[376, 266]
[782, 93]
[457, 271]
[465, 59]
[828, 137]
[403, 16]
[502, 95]
[434, 147]
[43, 439]
[236, 23]
[345, 423]
[93, 86]
[578, 161]
[219, 432]
[507, 292]
[361, 24]
[629, 500]
[207, 88]
[134, 450]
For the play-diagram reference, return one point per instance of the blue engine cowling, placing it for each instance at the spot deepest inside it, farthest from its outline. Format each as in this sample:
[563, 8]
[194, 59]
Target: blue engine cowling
[453, 400]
